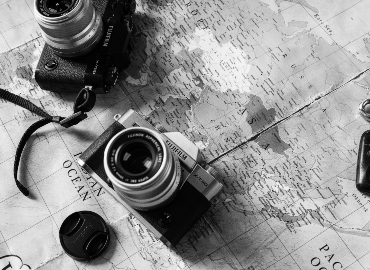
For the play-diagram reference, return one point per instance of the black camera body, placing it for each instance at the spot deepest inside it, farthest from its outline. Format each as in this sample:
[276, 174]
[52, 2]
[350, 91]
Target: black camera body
[99, 68]
[172, 220]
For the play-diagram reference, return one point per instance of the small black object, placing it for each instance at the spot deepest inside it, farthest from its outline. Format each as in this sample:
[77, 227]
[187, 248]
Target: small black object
[364, 109]
[165, 220]
[85, 101]
[363, 164]
[84, 235]
[51, 64]
[73, 119]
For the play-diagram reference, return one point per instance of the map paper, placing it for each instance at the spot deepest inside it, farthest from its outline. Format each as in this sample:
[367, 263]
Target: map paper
[269, 90]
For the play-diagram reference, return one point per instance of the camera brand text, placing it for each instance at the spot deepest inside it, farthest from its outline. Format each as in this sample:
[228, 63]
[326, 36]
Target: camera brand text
[96, 67]
[201, 180]
[108, 35]
[176, 150]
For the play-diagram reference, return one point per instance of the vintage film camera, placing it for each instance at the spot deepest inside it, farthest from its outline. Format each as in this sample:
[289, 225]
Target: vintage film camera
[87, 43]
[156, 174]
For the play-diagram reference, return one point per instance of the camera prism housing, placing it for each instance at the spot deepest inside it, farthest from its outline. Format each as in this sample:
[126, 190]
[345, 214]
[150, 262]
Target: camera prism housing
[91, 57]
[167, 190]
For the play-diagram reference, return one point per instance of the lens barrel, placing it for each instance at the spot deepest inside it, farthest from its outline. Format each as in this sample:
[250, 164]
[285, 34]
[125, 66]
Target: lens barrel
[142, 168]
[71, 28]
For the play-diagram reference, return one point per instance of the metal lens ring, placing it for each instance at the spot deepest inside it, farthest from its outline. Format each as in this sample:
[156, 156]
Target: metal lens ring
[142, 168]
[71, 28]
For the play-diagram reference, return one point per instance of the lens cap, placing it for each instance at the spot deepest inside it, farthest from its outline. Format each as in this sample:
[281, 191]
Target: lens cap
[84, 235]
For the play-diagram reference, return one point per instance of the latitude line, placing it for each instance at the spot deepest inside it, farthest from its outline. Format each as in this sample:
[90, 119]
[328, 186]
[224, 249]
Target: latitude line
[335, 89]
[128, 257]
[47, 206]
[37, 223]
[290, 253]
[35, 184]
[283, 119]
[318, 25]
[326, 56]
[327, 228]
[356, 260]
[6, 243]
[89, 187]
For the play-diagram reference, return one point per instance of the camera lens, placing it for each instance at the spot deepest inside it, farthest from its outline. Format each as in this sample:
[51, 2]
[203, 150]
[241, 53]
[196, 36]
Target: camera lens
[142, 168]
[136, 158]
[71, 28]
[57, 6]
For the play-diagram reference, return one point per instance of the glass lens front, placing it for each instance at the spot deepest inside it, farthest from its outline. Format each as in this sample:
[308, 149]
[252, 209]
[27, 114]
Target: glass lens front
[136, 158]
[58, 6]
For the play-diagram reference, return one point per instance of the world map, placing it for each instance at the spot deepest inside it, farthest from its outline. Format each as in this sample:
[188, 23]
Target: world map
[269, 91]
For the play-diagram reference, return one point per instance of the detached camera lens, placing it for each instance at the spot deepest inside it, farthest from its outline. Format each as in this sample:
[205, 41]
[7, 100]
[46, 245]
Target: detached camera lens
[71, 28]
[142, 168]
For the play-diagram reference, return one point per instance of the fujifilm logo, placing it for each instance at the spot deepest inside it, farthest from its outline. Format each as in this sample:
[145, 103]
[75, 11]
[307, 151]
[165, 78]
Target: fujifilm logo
[96, 67]
[107, 37]
[176, 150]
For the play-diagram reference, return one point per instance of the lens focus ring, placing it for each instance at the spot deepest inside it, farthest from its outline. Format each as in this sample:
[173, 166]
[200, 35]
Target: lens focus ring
[73, 31]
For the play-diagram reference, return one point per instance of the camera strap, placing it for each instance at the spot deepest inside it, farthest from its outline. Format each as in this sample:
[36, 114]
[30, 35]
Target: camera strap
[84, 102]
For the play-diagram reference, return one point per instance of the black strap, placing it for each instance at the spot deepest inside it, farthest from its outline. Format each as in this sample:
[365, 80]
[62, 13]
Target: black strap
[26, 135]
[84, 102]
[17, 100]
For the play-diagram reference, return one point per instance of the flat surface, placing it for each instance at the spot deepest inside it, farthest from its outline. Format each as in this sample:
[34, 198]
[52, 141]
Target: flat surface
[269, 90]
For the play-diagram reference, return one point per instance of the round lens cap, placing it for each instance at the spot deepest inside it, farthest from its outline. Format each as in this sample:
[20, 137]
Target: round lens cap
[84, 235]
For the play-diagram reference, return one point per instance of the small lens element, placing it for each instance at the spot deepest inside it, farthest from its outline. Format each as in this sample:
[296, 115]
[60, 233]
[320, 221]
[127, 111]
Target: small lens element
[137, 158]
[58, 6]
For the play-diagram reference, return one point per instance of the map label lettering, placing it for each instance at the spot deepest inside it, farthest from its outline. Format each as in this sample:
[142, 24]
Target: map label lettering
[72, 174]
[320, 264]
